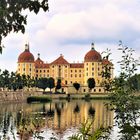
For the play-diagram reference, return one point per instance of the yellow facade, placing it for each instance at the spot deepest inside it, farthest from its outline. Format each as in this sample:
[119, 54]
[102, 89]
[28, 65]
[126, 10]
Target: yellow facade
[69, 73]
[26, 68]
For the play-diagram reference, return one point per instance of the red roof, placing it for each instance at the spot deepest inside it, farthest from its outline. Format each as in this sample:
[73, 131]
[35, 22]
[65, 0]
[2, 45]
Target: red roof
[106, 62]
[38, 61]
[93, 56]
[42, 65]
[26, 56]
[60, 60]
[77, 65]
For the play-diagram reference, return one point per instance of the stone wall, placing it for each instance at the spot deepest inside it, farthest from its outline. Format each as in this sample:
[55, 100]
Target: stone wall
[18, 96]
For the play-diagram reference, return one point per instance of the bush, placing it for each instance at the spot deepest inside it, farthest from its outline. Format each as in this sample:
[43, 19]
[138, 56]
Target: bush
[38, 99]
[87, 96]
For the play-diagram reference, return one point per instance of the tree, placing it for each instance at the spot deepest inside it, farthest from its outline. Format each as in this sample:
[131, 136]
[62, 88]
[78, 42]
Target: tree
[124, 102]
[91, 83]
[51, 83]
[12, 80]
[19, 82]
[12, 17]
[5, 79]
[76, 86]
[42, 83]
[134, 81]
[58, 85]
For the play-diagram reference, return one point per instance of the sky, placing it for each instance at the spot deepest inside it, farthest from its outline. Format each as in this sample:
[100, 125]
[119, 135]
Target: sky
[69, 28]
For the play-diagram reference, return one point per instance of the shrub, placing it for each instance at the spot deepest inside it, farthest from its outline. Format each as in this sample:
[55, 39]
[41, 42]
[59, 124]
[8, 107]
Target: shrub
[87, 96]
[38, 99]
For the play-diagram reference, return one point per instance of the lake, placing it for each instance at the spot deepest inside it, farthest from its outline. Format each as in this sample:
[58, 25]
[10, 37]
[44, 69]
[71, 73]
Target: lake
[59, 119]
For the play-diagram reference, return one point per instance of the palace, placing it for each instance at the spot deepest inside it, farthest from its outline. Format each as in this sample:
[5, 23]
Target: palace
[69, 73]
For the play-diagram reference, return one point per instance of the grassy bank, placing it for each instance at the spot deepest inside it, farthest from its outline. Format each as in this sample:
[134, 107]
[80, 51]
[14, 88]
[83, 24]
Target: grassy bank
[85, 97]
[38, 99]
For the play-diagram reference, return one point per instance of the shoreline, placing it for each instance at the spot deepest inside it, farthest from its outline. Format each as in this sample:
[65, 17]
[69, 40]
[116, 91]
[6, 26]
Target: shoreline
[21, 96]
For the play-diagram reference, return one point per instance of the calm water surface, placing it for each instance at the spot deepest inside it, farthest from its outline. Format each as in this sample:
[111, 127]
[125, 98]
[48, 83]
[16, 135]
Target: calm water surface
[59, 119]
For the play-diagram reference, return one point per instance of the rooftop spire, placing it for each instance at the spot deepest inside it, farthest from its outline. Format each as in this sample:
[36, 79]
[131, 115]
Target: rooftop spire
[92, 46]
[38, 55]
[61, 55]
[27, 46]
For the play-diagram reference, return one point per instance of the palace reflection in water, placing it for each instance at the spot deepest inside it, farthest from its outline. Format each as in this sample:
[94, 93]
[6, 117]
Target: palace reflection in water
[24, 121]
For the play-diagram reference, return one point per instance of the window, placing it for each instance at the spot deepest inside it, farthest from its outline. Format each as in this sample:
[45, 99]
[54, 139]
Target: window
[23, 69]
[71, 70]
[71, 75]
[47, 75]
[87, 69]
[99, 90]
[47, 70]
[98, 68]
[94, 90]
[79, 75]
[44, 71]
[92, 64]
[92, 68]
[75, 75]
[84, 90]
[19, 69]
[87, 74]
[66, 82]
[79, 70]
[65, 66]
[40, 70]
[36, 70]
[52, 66]
[30, 69]
[87, 63]
[71, 82]
[75, 70]
[92, 74]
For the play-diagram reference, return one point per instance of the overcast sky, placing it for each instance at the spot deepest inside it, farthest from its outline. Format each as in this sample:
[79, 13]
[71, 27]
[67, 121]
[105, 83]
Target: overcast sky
[71, 26]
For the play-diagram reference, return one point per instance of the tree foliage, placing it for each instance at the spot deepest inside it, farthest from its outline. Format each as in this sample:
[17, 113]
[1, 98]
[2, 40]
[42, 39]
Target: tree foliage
[13, 81]
[58, 85]
[106, 72]
[135, 82]
[51, 83]
[42, 83]
[12, 17]
[124, 102]
[91, 83]
[76, 86]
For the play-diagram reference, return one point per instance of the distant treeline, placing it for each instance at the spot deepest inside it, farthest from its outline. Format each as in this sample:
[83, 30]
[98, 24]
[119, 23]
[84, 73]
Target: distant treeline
[14, 81]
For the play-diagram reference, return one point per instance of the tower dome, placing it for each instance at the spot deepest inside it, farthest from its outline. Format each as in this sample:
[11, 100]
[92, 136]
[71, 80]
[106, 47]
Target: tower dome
[92, 55]
[26, 56]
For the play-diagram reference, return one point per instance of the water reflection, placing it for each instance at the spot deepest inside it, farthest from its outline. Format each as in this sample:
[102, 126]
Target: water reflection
[25, 121]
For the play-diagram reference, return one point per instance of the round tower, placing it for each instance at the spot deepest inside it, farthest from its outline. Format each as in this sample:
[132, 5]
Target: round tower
[93, 66]
[26, 64]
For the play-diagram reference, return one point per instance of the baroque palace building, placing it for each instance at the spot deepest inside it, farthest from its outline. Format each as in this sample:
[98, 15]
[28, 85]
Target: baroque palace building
[69, 73]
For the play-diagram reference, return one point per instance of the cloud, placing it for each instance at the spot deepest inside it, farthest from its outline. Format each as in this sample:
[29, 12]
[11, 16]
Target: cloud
[97, 22]
[70, 26]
